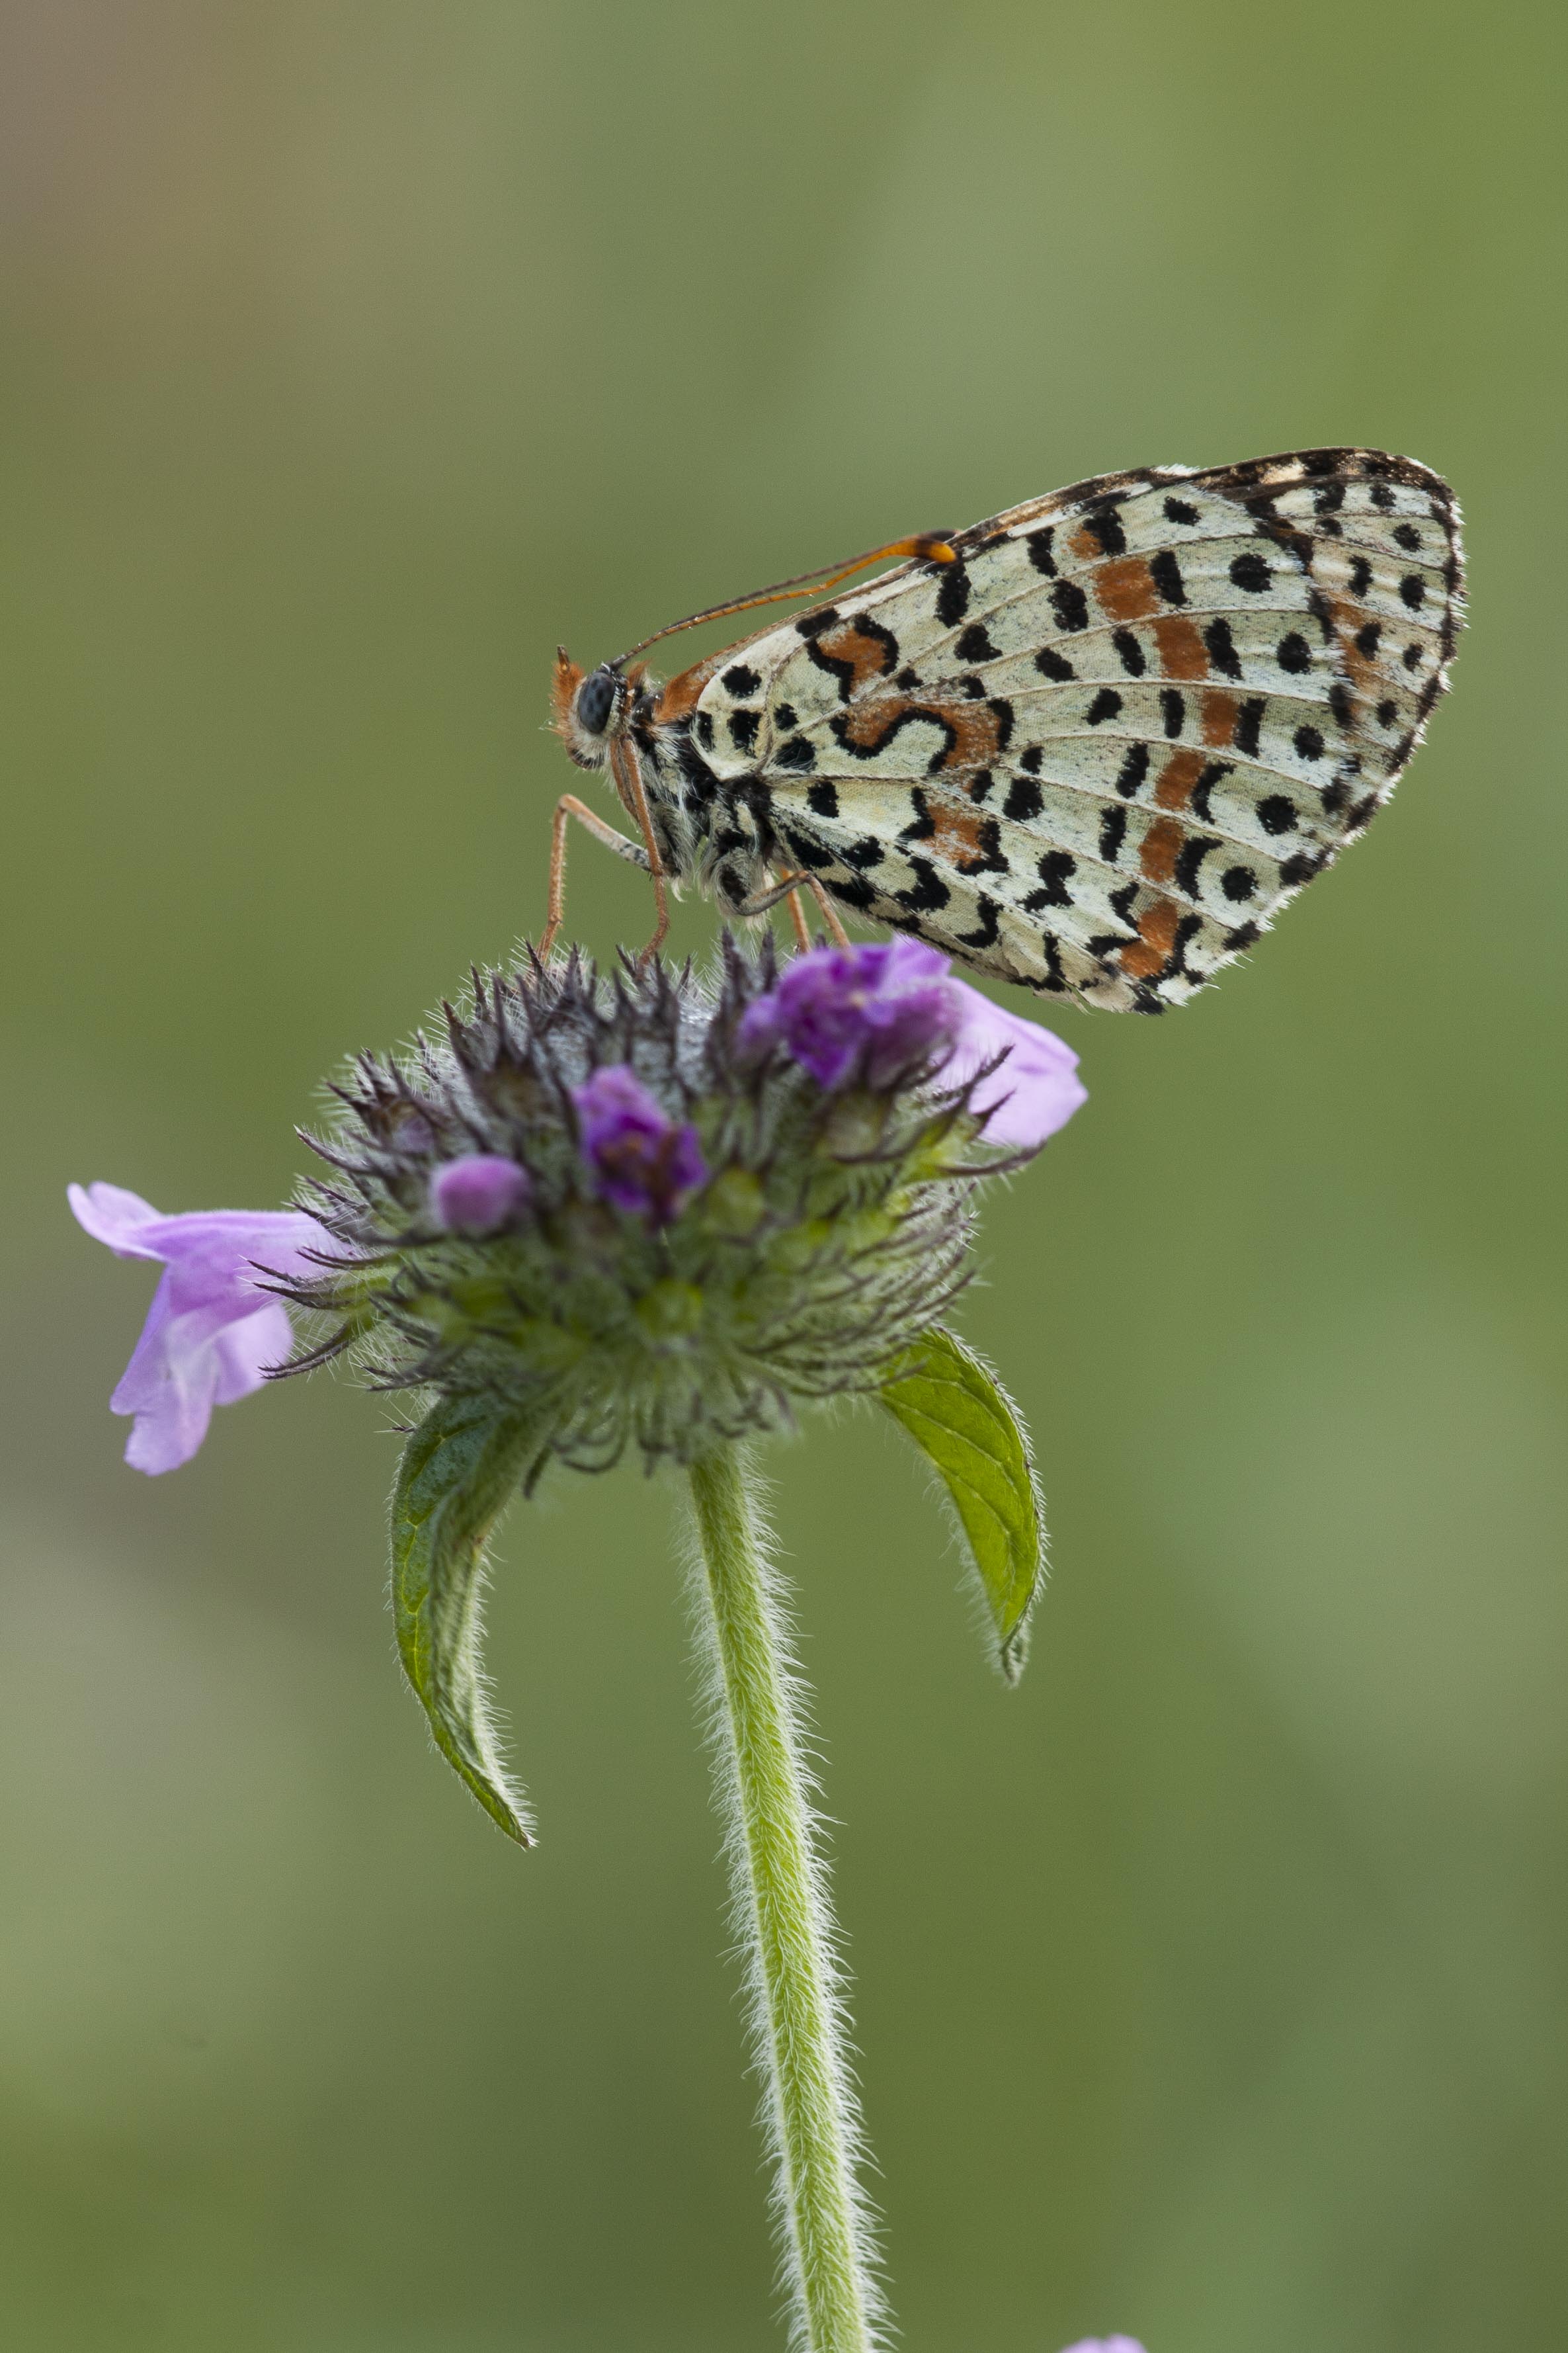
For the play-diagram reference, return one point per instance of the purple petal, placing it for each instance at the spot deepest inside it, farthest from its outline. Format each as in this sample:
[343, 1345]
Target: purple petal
[247, 1351]
[211, 1328]
[614, 1103]
[1106, 2344]
[1034, 1092]
[645, 1162]
[170, 1386]
[867, 1013]
[478, 1194]
[111, 1215]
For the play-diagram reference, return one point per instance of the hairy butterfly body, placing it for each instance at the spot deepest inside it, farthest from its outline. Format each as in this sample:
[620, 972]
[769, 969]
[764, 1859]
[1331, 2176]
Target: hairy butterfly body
[1091, 746]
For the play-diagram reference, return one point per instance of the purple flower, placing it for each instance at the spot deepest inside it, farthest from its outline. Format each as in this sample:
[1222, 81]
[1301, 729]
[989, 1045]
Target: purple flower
[476, 1195]
[1106, 2344]
[871, 1014]
[645, 1162]
[211, 1329]
[867, 1013]
[1036, 1090]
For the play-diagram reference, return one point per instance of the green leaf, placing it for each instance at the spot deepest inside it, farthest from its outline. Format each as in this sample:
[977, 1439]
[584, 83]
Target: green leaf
[459, 1469]
[965, 1424]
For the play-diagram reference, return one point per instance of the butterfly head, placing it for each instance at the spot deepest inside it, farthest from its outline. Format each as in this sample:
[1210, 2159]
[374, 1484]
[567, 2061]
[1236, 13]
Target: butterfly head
[593, 707]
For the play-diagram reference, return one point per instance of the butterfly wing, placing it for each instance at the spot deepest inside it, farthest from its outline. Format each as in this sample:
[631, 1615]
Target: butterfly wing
[1099, 751]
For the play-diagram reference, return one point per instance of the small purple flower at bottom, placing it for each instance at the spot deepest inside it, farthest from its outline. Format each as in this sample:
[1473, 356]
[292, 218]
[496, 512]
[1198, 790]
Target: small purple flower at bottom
[865, 1014]
[211, 1330]
[869, 1014]
[479, 1194]
[645, 1162]
[1106, 2344]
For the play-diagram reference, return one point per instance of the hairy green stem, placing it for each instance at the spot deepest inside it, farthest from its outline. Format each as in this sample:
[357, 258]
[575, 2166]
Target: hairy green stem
[781, 1906]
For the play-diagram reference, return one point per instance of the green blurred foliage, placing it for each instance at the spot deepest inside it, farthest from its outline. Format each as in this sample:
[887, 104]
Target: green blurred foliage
[1211, 1985]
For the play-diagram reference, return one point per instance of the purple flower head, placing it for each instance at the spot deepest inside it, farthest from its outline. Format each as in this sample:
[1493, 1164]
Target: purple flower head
[644, 1162]
[1030, 1094]
[211, 1330]
[479, 1194]
[867, 1013]
[1106, 2344]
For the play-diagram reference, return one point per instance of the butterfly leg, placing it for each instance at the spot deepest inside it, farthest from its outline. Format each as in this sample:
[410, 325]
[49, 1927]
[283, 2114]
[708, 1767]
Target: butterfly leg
[626, 770]
[567, 808]
[802, 929]
[830, 913]
[786, 887]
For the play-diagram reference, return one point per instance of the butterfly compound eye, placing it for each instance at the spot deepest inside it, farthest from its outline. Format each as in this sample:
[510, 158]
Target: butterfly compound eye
[595, 700]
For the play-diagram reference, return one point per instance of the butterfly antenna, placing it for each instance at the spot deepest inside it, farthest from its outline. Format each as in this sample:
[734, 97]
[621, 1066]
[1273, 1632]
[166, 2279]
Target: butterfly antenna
[932, 545]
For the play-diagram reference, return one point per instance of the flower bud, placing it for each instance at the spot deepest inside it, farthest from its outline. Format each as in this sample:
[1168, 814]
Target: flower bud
[478, 1194]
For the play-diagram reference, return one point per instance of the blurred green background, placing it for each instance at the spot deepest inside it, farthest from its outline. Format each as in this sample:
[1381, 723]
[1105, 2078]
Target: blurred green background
[1211, 1986]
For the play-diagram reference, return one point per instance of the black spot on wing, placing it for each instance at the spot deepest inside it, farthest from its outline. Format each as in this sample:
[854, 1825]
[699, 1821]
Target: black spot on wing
[1198, 799]
[1132, 771]
[1302, 868]
[1166, 574]
[986, 931]
[1104, 526]
[928, 889]
[922, 825]
[1189, 859]
[976, 646]
[806, 848]
[1249, 725]
[952, 595]
[1221, 648]
[1056, 869]
[1070, 605]
[1055, 665]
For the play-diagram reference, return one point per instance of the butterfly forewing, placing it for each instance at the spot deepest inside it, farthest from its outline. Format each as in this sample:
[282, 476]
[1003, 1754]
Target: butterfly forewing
[1098, 751]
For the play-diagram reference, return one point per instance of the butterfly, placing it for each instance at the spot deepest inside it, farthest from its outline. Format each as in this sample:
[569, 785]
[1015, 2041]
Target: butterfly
[1091, 745]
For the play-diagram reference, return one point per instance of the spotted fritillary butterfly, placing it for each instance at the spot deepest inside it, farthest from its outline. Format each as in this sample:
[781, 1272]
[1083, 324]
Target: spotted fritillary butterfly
[1091, 746]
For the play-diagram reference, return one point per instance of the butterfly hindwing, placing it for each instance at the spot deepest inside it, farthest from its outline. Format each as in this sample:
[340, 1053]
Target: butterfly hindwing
[1100, 750]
